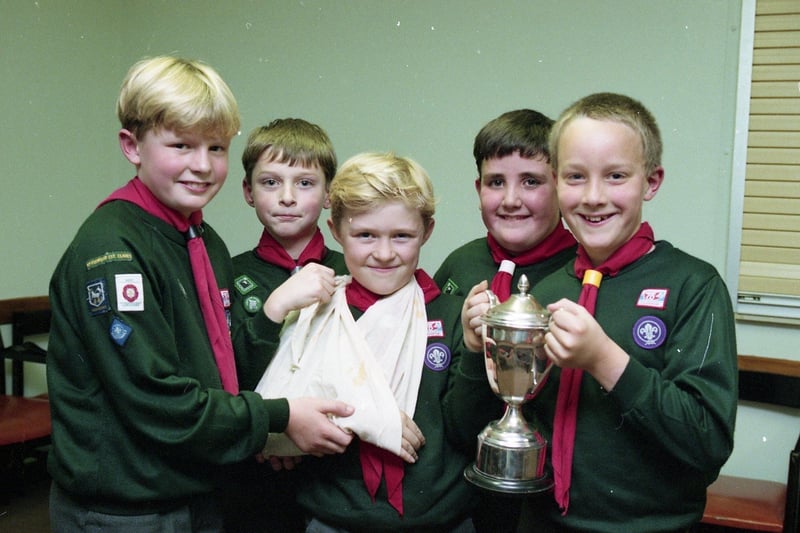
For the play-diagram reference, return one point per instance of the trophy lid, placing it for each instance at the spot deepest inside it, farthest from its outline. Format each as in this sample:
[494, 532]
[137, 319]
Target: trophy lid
[520, 311]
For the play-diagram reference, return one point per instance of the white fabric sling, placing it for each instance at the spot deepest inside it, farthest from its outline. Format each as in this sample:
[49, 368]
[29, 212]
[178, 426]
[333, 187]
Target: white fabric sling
[374, 364]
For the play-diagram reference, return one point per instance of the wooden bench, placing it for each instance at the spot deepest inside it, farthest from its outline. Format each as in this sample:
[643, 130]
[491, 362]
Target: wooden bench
[24, 421]
[745, 503]
[755, 504]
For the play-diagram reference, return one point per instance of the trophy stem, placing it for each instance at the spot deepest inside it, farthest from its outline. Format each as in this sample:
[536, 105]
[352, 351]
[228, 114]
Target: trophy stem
[511, 457]
[513, 421]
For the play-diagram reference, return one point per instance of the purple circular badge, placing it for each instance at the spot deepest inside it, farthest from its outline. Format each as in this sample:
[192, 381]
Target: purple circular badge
[649, 332]
[437, 357]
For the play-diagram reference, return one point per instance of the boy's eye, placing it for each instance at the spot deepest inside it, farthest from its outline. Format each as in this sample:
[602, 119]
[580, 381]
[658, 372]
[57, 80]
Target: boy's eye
[306, 183]
[217, 149]
[616, 176]
[531, 182]
[495, 183]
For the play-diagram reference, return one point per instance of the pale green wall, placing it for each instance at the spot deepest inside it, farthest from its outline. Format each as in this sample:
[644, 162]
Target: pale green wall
[417, 77]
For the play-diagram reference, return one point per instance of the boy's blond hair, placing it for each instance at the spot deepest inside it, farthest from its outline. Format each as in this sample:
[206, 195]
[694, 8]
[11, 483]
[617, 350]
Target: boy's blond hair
[368, 180]
[177, 94]
[615, 108]
[293, 141]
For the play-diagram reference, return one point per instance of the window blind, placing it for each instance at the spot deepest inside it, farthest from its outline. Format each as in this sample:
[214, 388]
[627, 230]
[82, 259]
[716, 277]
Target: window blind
[769, 267]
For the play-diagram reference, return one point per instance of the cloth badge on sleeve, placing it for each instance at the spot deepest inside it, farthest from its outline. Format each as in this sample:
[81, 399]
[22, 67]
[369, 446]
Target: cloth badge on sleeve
[130, 292]
[653, 298]
[226, 298]
[450, 287]
[252, 304]
[108, 257]
[97, 297]
[244, 284]
[119, 331]
[437, 357]
[435, 329]
[649, 332]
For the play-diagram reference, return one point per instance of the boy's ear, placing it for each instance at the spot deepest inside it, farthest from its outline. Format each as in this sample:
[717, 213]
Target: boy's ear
[129, 146]
[428, 231]
[334, 230]
[326, 203]
[247, 191]
[478, 185]
[654, 181]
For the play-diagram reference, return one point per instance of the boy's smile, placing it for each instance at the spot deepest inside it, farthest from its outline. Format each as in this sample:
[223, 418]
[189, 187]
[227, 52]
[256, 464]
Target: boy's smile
[183, 170]
[381, 246]
[518, 200]
[288, 201]
[602, 184]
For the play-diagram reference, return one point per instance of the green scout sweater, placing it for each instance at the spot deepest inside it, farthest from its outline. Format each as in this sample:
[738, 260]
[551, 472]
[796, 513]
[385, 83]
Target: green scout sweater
[140, 420]
[254, 281]
[436, 496]
[472, 263]
[644, 452]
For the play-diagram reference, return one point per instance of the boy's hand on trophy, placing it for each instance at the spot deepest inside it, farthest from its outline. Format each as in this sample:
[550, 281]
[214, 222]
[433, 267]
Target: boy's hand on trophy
[475, 305]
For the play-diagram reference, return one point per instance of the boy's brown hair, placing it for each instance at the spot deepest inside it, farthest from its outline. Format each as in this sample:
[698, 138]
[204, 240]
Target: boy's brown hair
[293, 141]
[523, 130]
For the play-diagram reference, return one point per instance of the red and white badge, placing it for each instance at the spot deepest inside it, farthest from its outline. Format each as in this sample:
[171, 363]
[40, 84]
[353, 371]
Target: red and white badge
[653, 298]
[435, 329]
[130, 292]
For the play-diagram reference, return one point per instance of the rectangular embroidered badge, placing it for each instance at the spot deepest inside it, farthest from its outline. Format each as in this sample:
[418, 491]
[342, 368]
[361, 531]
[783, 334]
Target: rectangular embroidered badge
[435, 328]
[108, 257]
[97, 297]
[653, 298]
[130, 292]
[226, 298]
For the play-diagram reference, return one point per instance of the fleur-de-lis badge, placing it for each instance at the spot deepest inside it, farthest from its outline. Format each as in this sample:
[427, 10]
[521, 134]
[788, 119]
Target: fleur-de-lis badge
[649, 332]
[437, 357]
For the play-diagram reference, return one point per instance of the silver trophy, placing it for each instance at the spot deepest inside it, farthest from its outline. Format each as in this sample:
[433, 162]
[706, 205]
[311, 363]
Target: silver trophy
[511, 453]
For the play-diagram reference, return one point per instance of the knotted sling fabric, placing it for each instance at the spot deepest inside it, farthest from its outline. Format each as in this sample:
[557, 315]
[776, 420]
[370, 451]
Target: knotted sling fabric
[374, 364]
[559, 239]
[208, 293]
[273, 252]
[566, 413]
[377, 462]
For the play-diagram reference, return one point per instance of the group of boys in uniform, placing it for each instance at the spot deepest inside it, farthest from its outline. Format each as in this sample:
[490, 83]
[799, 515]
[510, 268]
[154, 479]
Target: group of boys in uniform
[153, 400]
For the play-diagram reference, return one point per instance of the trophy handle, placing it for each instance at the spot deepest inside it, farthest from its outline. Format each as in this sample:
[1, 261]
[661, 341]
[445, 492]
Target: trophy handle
[490, 371]
[493, 301]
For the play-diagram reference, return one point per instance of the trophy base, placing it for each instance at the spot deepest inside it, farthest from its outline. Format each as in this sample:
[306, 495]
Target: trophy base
[507, 486]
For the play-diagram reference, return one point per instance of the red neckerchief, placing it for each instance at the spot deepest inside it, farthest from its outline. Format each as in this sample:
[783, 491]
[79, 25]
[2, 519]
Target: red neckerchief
[205, 282]
[559, 239]
[361, 298]
[272, 252]
[377, 462]
[566, 415]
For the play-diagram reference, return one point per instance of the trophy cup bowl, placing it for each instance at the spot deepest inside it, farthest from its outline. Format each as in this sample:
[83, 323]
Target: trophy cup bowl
[511, 453]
